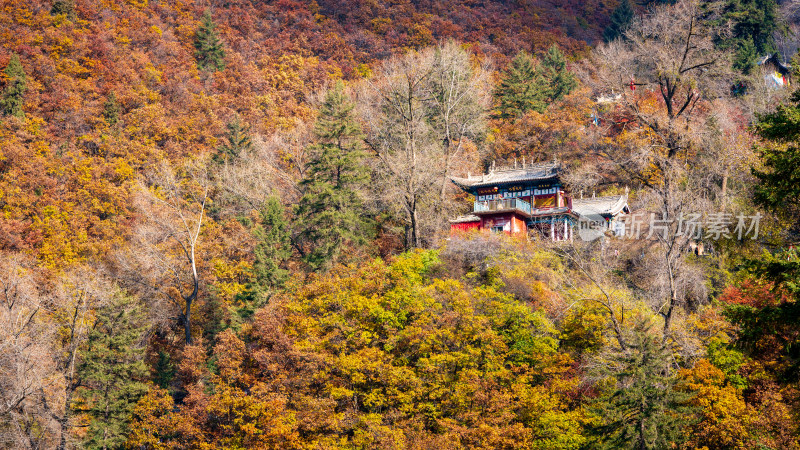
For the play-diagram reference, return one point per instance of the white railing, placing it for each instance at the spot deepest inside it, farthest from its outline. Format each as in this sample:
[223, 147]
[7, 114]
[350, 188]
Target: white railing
[502, 204]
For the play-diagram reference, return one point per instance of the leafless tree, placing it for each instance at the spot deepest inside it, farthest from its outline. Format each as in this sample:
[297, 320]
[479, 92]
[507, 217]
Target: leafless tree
[424, 112]
[589, 282]
[788, 40]
[272, 167]
[161, 263]
[43, 326]
[26, 358]
[670, 74]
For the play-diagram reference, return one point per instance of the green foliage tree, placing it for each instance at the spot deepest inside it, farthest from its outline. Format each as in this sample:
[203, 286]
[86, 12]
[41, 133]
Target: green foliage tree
[557, 79]
[745, 56]
[164, 370]
[209, 52]
[273, 247]
[779, 178]
[111, 109]
[778, 189]
[330, 210]
[644, 410]
[66, 7]
[752, 25]
[524, 87]
[112, 371]
[238, 140]
[517, 92]
[620, 19]
[16, 84]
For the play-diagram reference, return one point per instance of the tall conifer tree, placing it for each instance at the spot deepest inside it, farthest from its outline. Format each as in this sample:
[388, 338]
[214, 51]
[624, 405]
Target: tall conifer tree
[112, 372]
[558, 79]
[273, 247]
[66, 7]
[517, 92]
[779, 178]
[620, 19]
[747, 28]
[238, 140]
[330, 210]
[111, 109]
[209, 52]
[754, 20]
[779, 190]
[16, 85]
[645, 411]
[525, 86]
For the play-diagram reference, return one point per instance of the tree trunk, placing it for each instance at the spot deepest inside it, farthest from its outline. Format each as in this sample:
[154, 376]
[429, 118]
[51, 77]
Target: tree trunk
[62, 441]
[187, 323]
[724, 193]
[414, 226]
[673, 298]
[187, 315]
[195, 277]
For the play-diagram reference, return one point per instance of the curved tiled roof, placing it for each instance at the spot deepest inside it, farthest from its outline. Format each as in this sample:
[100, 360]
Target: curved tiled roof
[532, 172]
[604, 206]
[774, 57]
[467, 218]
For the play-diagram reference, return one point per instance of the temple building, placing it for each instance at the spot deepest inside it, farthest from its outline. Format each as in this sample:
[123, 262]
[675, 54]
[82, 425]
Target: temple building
[776, 74]
[531, 199]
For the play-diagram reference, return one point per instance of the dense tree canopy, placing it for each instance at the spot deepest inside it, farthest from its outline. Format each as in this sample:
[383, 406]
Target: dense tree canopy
[225, 225]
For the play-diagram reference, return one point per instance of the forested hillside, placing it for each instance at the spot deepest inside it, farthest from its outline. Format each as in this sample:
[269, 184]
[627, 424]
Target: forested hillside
[224, 224]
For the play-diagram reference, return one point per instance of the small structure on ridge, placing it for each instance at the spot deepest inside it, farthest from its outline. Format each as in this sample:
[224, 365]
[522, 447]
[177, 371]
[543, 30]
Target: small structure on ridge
[776, 74]
[532, 198]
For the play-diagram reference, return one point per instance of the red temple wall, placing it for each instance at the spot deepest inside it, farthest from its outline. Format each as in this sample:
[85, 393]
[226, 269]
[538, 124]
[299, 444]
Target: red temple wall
[465, 226]
[512, 224]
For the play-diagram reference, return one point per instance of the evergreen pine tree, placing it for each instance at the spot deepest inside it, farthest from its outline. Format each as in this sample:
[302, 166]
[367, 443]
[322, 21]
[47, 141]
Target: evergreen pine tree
[164, 370]
[238, 140]
[66, 7]
[273, 247]
[558, 80]
[272, 250]
[778, 189]
[779, 180]
[517, 93]
[524, 87]
[755, 20]
[111, 109]
[645, 411]
[112, 372]
[749, 29]
[209, 51]
[620, 19]
[330, 210]
[745, 56]
[16, 85]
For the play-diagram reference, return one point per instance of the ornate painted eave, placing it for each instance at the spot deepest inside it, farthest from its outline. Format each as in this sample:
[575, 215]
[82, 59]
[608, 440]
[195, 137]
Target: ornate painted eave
[531, 172]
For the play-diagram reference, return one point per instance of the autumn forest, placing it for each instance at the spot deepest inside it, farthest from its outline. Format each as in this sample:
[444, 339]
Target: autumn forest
[225, 224]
